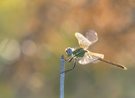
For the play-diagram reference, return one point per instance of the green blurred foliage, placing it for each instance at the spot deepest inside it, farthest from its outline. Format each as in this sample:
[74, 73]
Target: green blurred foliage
[35, 33]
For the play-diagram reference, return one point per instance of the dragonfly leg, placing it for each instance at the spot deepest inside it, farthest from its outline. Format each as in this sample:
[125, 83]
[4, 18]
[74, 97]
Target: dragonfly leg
[69, 59]
[70, 69]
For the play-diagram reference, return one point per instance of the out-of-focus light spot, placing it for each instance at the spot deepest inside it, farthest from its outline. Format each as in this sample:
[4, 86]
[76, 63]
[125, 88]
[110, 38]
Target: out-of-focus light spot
[10, 49]
[35, 83]
[29, 48]
[43, 52]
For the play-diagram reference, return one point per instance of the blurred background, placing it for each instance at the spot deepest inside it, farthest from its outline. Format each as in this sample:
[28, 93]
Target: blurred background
[35, 33]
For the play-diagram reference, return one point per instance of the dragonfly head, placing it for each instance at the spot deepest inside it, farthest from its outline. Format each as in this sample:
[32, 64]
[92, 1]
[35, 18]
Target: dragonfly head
[69, 51]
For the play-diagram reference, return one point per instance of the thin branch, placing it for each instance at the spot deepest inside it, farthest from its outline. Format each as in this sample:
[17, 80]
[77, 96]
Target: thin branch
[62, 76]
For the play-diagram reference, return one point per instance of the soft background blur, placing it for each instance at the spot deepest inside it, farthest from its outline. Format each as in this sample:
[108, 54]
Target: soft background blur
[35, 33]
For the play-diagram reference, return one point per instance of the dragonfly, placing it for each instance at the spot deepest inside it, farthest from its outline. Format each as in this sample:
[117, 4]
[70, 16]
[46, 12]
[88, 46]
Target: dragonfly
[82, 55]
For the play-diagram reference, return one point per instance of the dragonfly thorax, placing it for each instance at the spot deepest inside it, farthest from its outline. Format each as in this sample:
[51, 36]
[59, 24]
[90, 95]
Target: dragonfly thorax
[79, 52]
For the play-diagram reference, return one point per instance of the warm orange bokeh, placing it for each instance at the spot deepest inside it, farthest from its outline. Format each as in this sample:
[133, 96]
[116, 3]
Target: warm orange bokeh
[34, 34]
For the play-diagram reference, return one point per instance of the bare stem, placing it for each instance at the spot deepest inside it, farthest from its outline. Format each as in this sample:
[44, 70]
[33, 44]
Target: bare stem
[62, 76]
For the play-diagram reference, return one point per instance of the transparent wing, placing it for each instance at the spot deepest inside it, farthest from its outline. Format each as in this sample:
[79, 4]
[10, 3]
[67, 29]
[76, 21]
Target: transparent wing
[85, 42]
[92, 36]
[90, 57]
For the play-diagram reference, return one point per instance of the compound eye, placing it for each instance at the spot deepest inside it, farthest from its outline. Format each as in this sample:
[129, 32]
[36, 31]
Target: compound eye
[69, 51]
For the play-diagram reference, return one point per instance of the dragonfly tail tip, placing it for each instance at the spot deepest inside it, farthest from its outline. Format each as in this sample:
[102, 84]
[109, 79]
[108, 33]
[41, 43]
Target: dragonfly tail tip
[125, 68]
